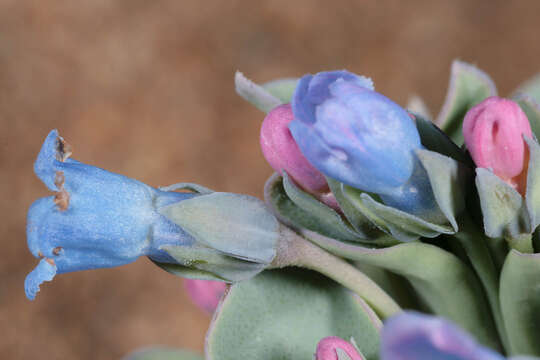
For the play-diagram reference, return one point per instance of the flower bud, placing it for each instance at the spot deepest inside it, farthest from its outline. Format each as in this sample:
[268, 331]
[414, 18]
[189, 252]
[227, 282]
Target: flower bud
[493, 132]
[361, 138]
[413, 336]
[327, 349]
[282, 153]
[205, 293]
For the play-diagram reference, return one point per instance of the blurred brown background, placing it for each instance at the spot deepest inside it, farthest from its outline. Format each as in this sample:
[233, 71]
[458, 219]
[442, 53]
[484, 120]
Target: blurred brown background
[145, 88]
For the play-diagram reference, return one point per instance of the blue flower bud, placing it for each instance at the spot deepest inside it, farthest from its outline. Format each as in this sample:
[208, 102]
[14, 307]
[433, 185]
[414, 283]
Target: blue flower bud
[96, 219]
[355, 135]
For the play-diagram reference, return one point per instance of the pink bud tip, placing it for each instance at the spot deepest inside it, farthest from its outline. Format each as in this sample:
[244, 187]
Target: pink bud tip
[282, 153]
[327, 349]
[493, 132]
[205, 293]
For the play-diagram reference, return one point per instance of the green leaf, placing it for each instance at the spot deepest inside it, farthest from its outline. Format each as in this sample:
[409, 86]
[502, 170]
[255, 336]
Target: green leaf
[447, 178]
[531, 87]
[327, 220]
[163, 353]
[255, 94]
[532, 196]
[283, 89]
[445, 283]
[502, 206]
[282, 314]
[520, 302]
[403, 226]
[531, 108]
[468, 86]
[237, 225]
[212, 262]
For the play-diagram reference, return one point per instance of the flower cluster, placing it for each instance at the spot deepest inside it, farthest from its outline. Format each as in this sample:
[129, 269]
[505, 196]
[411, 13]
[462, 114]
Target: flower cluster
[412, 215]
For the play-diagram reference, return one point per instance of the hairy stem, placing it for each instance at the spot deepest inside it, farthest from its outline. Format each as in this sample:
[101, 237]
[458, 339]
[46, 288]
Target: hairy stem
[295, 250]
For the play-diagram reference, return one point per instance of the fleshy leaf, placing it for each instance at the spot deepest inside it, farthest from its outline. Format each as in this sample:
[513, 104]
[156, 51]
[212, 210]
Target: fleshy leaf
[328, 221]
[502, 206]
[520, 302]
[163, 353]
[532, 196]
[282, 314]
[447, 178]
[238, 225]
[255, 94]
[532, 109]
[445, 283]
[531, 87]
[283, 89]
[468, 86]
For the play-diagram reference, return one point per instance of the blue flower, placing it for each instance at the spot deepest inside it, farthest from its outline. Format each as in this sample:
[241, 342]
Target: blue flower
[359, 137]
[413, 336]
[96, 219]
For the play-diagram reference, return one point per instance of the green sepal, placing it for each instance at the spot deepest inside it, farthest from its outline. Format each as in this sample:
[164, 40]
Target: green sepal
[236, 225]
[283, 314]
[468, 87]
[362, 225]
[520, 302]
[328, 221]
[163, 353]
[204, 262]
[192, 187]
[503, 208]
[283, 89]
[444, 282]
[403, 226]
[289, 213]
[257, 95]
[532, 195]
[532, 109]
[447, 178]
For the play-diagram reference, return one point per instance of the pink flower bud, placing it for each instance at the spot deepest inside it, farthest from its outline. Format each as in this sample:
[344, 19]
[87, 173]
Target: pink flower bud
[493, 132]
[282, 153]
[205, 293]
[327, 349]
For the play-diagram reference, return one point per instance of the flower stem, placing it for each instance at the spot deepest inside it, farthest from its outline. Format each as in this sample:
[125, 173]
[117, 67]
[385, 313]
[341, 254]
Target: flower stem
[295, 250]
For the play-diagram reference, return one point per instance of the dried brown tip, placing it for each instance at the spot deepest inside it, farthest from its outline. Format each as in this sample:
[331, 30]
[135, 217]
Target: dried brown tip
[56, 250]
[61, 199]
[63, 150]
[59, 179]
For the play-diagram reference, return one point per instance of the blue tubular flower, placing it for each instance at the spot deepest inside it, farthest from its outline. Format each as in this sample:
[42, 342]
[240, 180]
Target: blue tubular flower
[413, 336]
[96, 219]
[361, 138]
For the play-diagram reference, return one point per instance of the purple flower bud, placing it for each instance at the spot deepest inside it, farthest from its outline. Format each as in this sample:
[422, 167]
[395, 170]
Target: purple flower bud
[493, 132]
[413, 336]
[206, 294]
[327, 349]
